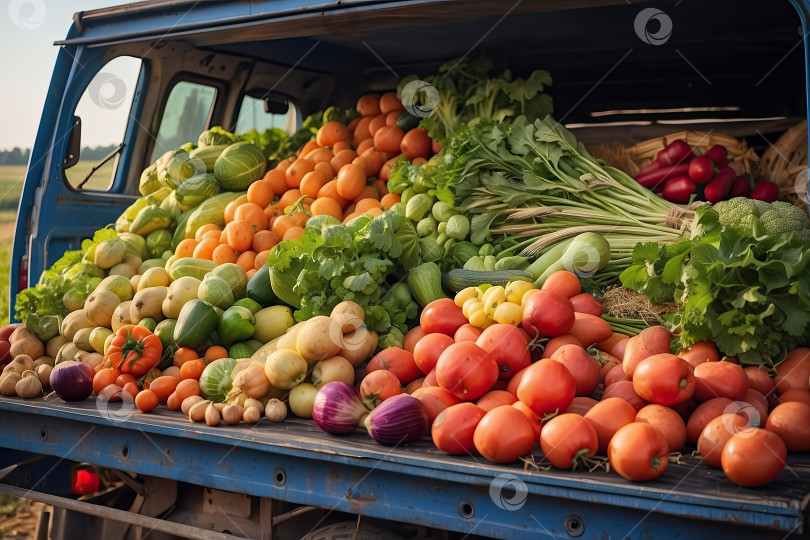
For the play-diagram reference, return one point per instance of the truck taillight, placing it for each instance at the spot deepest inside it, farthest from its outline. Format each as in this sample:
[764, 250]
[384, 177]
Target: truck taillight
[83, 481]
[23, 279]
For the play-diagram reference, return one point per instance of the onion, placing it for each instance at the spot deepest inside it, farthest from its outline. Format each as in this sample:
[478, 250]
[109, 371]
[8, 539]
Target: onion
[337, 408]
[72, 380]
[398, 419]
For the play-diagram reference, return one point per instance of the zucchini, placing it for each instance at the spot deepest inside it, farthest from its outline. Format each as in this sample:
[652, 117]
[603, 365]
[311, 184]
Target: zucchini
[425, 282]
[458, 279]
[197, 320]
[283, 282]
[260, 289]
[406, 121]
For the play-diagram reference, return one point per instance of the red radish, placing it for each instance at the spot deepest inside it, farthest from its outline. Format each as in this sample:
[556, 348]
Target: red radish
[676, 152]
[718, 189]
[718, 154]
[739, 187]
[701, 169]
[649, 167]
[679, 190]
[765, 191]
[657, 177]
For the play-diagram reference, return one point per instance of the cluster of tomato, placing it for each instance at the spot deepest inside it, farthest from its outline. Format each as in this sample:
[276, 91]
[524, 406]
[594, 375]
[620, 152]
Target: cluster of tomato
[565, 380]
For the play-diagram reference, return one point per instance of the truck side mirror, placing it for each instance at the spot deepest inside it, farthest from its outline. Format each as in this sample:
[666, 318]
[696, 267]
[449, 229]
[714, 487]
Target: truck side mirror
[74, 144]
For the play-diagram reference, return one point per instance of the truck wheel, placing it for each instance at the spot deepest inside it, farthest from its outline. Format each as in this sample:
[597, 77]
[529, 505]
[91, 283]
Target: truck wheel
[347, 530]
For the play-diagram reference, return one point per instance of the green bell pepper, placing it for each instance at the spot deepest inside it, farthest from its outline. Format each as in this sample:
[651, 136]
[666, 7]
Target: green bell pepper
[236, 324]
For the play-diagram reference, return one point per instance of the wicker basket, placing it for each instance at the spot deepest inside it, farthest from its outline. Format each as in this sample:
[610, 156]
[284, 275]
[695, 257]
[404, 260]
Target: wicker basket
[785, 164]
[741, 158]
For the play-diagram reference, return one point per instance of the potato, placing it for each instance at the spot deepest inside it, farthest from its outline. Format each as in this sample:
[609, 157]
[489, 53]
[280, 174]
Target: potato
[319, 338]
[53, 345]
[29, 345]
[21, 332]
[288, 340]
[349, 315]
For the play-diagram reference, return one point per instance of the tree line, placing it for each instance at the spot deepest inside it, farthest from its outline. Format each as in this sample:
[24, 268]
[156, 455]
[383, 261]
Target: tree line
[18, 156]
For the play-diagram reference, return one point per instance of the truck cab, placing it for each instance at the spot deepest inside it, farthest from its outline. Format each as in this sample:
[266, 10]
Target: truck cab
[160, 72]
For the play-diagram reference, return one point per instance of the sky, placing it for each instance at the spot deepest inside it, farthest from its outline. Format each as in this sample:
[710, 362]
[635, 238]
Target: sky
[28, 29]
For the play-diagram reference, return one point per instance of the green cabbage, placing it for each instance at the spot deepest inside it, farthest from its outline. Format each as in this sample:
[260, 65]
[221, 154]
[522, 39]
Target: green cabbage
[215, 381]
[240, 165]
[195, 190]
[215, 136]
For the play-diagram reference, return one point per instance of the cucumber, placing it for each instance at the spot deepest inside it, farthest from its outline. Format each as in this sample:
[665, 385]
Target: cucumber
[260, 289]
[197, 320]
[406, 121]
[282, 283]
[458, 279]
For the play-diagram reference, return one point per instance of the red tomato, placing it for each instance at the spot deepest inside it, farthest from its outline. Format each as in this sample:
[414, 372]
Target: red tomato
[587, 303]
[607, 416]
[398, 361]
[435, 400]
[720, 379]
[442, 316]
[454, 427]
[104, 378]
[795, 394]
[759, 380]
[615, 375]
[668, 422]
[664, 379]
[427, 351]
[503, 435]
[703, 414]
[558, 341]
[638, 452]
[547, 313]
[534, 420]
[412, 338]
[590, 330]
[507, 346]
[563, 282]
[466, 370]
[430, 379]
[608, 363]
[716, 434]
[111, 393]
[625, 390]
[567, 439]
[753, 457]
[495, 398]
[378, 386]
[146, 400]
[703, 351]
[794, 371]
[651, 340]
[467, 332]
[791, 421]
[416, 143]
[610, 342]
[582, 366]
[514, 382]
[581, 405]
[547, 386]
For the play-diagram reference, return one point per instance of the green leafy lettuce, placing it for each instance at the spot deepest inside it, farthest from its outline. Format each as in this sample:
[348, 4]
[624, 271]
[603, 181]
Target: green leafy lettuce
[749, 292]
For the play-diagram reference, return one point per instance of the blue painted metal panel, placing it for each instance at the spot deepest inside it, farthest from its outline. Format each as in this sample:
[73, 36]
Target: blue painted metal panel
[296, 462]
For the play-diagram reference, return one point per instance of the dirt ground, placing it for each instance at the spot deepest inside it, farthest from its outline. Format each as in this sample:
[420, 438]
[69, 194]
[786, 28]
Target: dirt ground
[22, 524]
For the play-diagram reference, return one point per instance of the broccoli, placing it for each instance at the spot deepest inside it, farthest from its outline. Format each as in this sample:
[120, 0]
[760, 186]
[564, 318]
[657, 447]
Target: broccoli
[734, 210]
[784, 218]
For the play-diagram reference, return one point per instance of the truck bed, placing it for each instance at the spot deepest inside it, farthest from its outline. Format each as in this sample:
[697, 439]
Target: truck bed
[295, 461]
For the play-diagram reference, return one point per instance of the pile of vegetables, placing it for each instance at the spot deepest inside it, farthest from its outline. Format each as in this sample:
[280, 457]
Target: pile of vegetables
[361, 275]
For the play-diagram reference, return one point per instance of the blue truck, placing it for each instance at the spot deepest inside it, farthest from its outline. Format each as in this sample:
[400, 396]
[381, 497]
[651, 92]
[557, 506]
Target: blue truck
[165, 70]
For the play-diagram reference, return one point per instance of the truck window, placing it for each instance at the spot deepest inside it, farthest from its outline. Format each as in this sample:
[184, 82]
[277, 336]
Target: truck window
[184, 117]
[253, 116]
[104, 109]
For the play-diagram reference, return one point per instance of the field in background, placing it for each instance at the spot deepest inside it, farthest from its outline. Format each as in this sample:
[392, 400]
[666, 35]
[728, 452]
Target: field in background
[11, 182]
